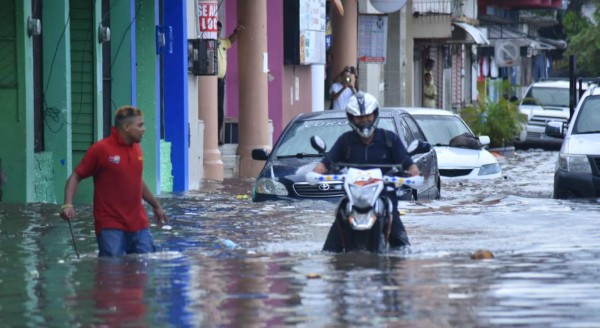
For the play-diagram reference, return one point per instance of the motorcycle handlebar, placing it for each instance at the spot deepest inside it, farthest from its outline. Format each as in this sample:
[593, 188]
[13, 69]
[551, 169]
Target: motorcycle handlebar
[316, 178]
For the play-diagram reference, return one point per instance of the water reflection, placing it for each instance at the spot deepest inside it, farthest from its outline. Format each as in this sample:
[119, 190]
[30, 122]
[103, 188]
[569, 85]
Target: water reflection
[228, 262]
[119, 291]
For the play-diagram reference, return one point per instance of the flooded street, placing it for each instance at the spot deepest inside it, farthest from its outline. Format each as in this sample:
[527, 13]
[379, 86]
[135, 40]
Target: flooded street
[228, 262]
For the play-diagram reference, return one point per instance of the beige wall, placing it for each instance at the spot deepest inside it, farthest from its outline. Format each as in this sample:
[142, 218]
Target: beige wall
[296, 92]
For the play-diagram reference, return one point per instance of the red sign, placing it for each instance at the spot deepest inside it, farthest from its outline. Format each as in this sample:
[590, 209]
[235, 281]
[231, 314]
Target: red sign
[207, 19]
[366, 59]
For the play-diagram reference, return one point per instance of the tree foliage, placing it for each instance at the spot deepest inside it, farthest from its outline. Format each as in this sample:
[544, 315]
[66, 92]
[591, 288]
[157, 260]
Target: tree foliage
[583, 37]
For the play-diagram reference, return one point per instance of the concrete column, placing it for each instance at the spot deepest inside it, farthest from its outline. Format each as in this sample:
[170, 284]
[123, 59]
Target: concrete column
[344, 36]
[317, 79]
[207, 107]
[253, 125]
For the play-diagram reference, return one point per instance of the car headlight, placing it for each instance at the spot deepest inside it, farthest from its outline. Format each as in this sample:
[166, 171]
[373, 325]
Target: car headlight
[270, 187]
[574, 163]
[489, 169]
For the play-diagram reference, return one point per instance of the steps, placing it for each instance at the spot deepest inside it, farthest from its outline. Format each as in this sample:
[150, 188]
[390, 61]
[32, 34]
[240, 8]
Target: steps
[231, 160]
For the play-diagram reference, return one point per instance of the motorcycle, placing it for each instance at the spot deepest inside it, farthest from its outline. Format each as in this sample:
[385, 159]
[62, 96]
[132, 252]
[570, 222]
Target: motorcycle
[364, 214]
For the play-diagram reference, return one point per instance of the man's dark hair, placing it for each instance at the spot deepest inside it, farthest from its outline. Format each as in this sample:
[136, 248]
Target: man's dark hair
[219, 25]
[125, 114]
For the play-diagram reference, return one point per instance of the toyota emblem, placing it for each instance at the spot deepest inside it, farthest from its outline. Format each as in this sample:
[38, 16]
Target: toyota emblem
[324, 187]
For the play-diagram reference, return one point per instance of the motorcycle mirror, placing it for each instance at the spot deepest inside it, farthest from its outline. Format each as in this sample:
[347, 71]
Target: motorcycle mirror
[318, 144]
[418, 147]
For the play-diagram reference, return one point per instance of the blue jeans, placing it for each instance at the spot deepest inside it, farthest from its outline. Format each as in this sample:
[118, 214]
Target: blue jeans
[115, 242]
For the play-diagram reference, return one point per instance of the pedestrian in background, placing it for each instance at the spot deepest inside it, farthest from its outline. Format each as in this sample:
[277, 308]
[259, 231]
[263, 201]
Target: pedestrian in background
[429, 92]
[116, 164]
[223, 46]
[343, 88]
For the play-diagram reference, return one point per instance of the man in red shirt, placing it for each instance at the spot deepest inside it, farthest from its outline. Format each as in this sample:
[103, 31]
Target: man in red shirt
[116, 163]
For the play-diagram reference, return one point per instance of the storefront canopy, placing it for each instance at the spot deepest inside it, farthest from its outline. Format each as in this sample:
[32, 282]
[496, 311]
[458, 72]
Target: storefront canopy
[468, 33]
[499, 33]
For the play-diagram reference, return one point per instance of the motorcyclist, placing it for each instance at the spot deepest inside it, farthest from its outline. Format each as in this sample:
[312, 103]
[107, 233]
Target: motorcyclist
[368, 144]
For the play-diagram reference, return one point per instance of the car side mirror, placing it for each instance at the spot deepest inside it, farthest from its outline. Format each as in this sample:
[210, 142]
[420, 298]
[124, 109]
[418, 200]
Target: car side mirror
[484, 140]
[260, 154]
[555, 129]
[418, 147]
[318, 144]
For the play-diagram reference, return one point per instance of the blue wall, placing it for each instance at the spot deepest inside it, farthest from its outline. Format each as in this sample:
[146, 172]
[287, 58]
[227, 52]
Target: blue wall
[176, 90]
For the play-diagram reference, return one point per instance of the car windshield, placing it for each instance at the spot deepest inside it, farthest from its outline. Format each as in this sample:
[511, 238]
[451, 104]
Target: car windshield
[588, 118]
[440, 129]
[555, 97]
[297, 139]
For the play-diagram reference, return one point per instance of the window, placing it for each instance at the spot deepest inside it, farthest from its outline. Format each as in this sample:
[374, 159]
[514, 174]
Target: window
[588, 118]
[440, 129]
[552, 97]
[297, 138]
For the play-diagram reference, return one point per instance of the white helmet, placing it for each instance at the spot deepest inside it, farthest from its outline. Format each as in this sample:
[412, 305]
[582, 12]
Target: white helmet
[361, 104]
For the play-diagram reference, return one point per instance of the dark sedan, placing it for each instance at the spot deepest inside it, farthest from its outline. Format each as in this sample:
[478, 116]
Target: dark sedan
[283, 176]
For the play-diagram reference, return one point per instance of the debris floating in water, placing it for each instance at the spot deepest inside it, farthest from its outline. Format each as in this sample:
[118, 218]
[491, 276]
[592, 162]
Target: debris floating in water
[313, 276]
[482, 254]
[228, 243]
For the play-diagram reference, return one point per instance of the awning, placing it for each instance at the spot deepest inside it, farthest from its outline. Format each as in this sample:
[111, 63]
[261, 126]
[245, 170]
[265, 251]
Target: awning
[474, 34]
[498, 33]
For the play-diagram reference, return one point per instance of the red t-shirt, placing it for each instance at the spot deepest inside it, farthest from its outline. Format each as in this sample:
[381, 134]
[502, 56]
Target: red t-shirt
[117, 171]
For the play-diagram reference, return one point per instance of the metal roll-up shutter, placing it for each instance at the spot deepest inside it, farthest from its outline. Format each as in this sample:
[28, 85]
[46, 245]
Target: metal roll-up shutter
[82, 74]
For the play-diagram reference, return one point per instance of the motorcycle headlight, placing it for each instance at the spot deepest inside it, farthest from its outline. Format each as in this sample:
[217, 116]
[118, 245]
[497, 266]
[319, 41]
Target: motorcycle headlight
[574, 163]
[489, 169]
[270, 187]
[363, 197]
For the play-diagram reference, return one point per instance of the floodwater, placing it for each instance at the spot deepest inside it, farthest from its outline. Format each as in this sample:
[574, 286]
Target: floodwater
[228, 262]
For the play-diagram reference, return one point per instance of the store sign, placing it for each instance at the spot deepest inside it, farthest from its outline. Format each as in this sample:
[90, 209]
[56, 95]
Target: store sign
[207, 19]
[372, 38]
[507, 54]
[313, 23]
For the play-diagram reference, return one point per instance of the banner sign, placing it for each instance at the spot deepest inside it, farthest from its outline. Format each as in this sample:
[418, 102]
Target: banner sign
[313, 23]
[207, 19]
[372, 38]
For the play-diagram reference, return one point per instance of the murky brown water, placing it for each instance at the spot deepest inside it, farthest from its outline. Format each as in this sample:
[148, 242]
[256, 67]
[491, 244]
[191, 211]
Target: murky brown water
[228, 262]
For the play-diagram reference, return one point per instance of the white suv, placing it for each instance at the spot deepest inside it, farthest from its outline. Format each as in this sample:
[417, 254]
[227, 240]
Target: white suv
[544, 101]
[578, 168]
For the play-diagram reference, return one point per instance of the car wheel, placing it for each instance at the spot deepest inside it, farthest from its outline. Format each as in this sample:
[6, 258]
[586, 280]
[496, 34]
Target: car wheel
[564, 194]
[438, 189]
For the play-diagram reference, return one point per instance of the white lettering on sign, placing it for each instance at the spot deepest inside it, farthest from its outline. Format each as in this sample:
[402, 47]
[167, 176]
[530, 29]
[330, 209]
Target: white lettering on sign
[207, 19]
[312, 124]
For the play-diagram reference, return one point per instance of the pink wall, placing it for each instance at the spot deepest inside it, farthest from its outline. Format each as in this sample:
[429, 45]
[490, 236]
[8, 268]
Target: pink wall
[232, 78]
[303, 104]
[275, 48]
[282, 105]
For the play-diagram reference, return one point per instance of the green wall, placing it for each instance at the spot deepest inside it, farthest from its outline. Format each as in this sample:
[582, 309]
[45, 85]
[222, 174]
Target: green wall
[41, 177]
[57, 91]
[120, 20]
[146, 88]
[16, 98]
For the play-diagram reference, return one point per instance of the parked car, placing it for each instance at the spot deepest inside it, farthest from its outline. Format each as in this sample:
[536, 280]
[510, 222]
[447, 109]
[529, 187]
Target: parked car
[283, 176]
[544, 101]
[460, 153]
[577, 172]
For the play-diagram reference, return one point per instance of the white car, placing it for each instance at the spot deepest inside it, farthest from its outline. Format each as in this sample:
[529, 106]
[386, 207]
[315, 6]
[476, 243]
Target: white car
[460, 153]
[544, 101]
[578, 167]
